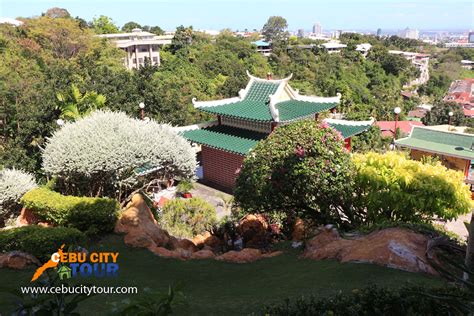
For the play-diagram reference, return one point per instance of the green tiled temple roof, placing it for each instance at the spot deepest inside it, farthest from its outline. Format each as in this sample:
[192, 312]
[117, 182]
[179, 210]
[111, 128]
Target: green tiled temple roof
[255, 105]
[440, 142]
[293, 109]
[349, 130]
[227, 138]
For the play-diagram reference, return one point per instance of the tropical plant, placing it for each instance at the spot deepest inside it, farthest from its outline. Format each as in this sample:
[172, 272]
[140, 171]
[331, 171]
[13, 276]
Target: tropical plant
[13, 184]
[300, 168]
[184, 186]
[391, 187]
[188, 217]
[52, 302]
[154, 303]
[408, 300]
[40, 241]
[75, 105]
[90, 215]
[110, 154]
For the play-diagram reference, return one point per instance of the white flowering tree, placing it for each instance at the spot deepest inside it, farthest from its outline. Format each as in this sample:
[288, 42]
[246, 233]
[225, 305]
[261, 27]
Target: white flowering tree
[13, 184]
[111, 154]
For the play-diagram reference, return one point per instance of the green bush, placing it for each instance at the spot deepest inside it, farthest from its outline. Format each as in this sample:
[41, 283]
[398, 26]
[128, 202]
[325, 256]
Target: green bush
[39, 241]
[301, 167]
[391, 187]
[90, 215]
[188, 217]
[378, 301]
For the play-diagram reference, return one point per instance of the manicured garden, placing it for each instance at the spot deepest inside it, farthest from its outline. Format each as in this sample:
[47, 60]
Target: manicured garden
[220, 288]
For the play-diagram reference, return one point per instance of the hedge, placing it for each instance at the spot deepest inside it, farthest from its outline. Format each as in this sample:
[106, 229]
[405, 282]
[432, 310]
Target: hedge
[40, 241]
[90, 215]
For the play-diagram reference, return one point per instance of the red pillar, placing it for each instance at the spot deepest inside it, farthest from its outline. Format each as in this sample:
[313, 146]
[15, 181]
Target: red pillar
[396, 123]
[347, 143]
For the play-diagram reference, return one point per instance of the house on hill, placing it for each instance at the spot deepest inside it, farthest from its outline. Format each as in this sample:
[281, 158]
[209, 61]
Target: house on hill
[454, 149]
[244, 120]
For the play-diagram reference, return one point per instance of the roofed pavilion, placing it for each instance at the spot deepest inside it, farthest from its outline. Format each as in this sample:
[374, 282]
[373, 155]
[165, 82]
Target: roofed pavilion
[244, 120]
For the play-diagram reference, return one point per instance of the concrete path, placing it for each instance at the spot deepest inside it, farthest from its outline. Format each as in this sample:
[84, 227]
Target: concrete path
[458, 226]
[215, 197]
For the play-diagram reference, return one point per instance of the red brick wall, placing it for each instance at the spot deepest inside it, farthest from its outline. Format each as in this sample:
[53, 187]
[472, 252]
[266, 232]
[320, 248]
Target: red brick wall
[219, 167]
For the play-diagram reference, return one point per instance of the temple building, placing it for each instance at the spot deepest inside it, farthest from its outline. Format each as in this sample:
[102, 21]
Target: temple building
[244, 120]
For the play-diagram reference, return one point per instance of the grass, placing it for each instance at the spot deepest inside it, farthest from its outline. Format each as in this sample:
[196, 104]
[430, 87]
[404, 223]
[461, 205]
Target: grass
[466, 73]
[220, 288]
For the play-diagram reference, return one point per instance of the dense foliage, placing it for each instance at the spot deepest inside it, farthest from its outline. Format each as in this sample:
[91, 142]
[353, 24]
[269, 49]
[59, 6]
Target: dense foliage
[13, 184]
[90, 215]
[391, 187]
[301, 167]
[188, 217]
[408, 300]
[106, 154]
[40, 241]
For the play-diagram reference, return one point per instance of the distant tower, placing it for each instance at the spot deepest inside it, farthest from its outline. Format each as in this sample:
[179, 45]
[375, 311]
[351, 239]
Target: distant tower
[379, 32]
[300, 33]
[317, 30]
[470, 37]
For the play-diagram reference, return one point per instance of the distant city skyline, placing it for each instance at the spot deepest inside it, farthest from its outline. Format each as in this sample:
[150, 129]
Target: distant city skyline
[366, 15]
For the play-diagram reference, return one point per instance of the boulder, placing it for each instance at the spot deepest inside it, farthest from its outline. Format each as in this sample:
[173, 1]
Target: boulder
[393, 247]
[187, 244]
[199, 239]
[298, 232]
[254, 230]
[18, 260]
[213, 242]
[27, 217]
[203, 254]
[272, 254]
[243, 256]
[139, 226]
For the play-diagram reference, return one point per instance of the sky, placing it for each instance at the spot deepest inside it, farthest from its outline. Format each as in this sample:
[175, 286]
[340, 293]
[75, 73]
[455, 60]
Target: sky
[250, 14]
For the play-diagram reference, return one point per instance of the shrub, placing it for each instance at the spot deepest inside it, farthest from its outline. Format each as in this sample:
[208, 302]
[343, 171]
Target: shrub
[188, 217]
[111, 154]
[391, 187]
[414, 300]
[39, 241]
[90, 215]
[13, 184]
[300, 167]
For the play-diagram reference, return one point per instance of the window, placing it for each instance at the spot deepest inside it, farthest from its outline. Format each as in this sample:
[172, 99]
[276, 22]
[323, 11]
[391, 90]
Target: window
[143, 50]
[155, 59]
[140, 60]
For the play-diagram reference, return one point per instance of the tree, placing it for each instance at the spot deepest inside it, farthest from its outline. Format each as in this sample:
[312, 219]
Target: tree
[301, 168]
[57, 13]
[275, 29]
[183, 38]
[391, 187]
[109, 154]
[153, 29]
[129, 26]
[439, 114]
[75, 105]
[104, 25]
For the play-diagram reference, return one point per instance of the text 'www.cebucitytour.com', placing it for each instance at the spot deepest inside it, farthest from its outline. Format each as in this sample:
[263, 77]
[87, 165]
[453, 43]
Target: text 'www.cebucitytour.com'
[79, 289]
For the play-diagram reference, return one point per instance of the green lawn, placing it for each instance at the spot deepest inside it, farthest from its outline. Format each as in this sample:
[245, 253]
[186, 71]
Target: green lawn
[219, 288]
[466, 73]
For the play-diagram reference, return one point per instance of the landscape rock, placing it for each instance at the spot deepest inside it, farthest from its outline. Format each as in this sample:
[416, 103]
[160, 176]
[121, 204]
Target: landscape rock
[199, 239]
[243, 256]
[188, 245]
[272, 254]
[27, 217]
[298, 232]
[213, 242]
[254, 230]
[203, 254]
[139, 226]
[393, 247]
[18, 260]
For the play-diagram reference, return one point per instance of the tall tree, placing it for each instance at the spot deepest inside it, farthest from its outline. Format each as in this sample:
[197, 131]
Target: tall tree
[129, 26]
[104, 25]
[183, 38]
[275, 29]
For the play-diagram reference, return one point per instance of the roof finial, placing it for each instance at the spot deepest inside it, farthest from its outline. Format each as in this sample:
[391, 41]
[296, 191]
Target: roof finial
[269, 76]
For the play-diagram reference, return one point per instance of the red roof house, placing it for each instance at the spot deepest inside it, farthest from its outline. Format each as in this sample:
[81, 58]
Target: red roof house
[388, 127]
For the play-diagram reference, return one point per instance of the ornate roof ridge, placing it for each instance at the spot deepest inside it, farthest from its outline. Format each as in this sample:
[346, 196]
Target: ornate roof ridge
[268, 80]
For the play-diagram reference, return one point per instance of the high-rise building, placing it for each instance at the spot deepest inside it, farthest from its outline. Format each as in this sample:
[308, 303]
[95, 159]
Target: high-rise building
[317, 30]
[300, 33]
[409, 33]
[379, 32]
[470, 37]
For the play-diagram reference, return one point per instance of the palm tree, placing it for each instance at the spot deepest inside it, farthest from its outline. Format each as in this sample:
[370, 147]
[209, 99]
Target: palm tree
[75, 105]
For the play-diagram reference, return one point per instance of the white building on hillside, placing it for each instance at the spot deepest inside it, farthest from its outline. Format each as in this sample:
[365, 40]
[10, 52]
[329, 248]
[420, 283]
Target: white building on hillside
[364, 48]
[333, 47]
[420, 61]
[139, 45]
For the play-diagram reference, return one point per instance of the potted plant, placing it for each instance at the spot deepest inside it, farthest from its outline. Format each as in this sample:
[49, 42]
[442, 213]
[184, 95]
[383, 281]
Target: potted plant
[184, 188]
